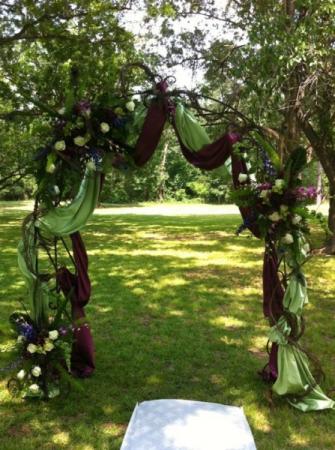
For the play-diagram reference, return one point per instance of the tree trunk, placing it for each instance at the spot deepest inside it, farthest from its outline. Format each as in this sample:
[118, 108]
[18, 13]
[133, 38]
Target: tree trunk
[161, 186]
[319, 196]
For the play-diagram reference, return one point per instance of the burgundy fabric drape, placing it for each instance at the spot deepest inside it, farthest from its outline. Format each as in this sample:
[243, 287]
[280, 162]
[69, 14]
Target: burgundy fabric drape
[82, 358]
[211, 156]
[151, 132]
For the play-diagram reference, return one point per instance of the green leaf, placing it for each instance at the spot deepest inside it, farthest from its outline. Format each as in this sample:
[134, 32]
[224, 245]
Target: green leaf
[295, 163]
[270, 150]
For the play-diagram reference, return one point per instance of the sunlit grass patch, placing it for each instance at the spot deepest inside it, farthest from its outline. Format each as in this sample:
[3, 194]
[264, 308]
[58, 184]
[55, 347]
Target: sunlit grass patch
[176, 312]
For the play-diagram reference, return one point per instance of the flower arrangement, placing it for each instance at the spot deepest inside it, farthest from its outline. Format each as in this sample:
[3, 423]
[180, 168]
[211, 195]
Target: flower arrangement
[279, 202]
[43, 355]
[86, 135]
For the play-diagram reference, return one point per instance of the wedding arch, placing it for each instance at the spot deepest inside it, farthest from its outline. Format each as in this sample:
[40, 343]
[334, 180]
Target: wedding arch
[116, 133]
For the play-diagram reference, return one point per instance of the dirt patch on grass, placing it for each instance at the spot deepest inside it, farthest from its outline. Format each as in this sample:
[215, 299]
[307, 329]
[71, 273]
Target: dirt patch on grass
[17, 431]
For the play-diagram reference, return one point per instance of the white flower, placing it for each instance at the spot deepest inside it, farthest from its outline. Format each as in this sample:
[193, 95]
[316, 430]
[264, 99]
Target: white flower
[274, 217]
[53, 335]
[60, 146]
[242, 178]
[20, 339]
[56, 190]
[48, 346]
[36, 371]
[279, 183]
[130, 106]
[80, 141]
[34, 388]
[306, 247]
[296, 219]
[61, 111]
[51, 168]
[91, 165]
[278, 186]
[264, 193]
[288, 239]
[104, 127]
[32, 348]
[21, 374]
[283, 209]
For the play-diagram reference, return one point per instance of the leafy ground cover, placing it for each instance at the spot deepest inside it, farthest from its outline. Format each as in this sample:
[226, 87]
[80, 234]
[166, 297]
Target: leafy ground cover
[176, 313]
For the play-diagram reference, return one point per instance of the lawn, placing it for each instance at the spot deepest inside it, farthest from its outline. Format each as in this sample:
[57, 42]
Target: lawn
[176, 313]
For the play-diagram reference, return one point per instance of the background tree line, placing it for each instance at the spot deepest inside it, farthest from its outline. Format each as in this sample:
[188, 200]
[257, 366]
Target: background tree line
[271, 60]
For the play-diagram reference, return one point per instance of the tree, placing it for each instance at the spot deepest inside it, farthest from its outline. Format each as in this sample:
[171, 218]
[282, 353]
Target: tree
[52, 51]
[276, 65]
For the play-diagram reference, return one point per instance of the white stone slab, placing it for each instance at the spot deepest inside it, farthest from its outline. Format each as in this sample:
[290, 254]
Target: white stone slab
[187, 425]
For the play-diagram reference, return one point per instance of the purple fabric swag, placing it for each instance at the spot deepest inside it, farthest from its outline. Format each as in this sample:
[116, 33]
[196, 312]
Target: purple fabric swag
[79, 286]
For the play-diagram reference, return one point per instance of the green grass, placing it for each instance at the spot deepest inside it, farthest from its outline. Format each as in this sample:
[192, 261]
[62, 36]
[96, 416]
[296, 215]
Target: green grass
[176, 312]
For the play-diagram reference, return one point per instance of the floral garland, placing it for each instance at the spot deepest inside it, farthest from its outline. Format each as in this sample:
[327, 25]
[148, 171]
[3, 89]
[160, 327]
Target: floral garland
[86, 137]
[44, 356]
[279, 202]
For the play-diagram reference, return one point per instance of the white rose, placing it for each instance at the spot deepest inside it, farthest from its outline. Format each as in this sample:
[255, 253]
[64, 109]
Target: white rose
[51, 168]
[48, 346]
[61, 111]
[279, 183]
[264, 193]
[91, 165]
[288, 239]
[283, 209]
[56, 190]
[32, 348]
[242, 178]
[53, 335]
[20, 339]
[60, 146]
[21, 374]
[296, 219]
[34, 388]
[104, 127]
[130, 106]
[80, 141]
[36, 371]
[274, 217]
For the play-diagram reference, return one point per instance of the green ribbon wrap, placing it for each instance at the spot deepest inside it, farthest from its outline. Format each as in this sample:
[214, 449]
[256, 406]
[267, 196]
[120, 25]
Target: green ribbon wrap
[295, 379]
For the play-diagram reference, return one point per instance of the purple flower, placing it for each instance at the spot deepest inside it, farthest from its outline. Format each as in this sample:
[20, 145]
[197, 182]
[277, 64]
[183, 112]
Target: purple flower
[62, 331]
[83, 107]
[27, 330]
[264, 186]
[306, 193]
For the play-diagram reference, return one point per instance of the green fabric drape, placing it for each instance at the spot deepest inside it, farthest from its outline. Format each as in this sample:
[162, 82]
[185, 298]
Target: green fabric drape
[38, 292]
[59, 221]
[192, 134]
[294, 376]
[65, 220]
